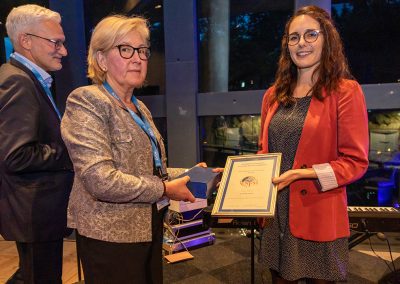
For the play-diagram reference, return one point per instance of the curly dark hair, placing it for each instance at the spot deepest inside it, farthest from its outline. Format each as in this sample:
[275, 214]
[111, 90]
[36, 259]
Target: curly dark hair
[332, 68]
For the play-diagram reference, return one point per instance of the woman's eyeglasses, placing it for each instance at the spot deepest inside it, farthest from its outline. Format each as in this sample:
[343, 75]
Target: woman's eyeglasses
[309, 36]
[127, 51]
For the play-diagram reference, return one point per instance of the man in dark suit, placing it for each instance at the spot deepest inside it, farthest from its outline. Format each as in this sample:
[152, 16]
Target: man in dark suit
[35, 170]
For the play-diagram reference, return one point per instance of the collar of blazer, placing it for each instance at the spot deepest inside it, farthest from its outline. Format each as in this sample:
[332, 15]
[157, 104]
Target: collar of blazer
[39, 87]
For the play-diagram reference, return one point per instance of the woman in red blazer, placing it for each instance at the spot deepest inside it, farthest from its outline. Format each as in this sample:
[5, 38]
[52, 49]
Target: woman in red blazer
[316, 117]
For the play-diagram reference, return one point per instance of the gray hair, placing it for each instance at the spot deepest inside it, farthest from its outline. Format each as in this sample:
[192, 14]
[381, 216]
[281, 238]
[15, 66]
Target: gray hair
[22, 18]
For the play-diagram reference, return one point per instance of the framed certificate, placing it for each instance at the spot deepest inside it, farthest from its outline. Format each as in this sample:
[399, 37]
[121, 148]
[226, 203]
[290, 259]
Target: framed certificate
[246, 188]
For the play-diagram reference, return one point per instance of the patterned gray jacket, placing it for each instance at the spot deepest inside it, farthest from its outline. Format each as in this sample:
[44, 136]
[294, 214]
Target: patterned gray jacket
[114, 186]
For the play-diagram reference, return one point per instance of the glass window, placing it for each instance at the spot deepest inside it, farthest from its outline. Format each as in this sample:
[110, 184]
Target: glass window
[239, 43]
[228, 135]
[384, 129]
[152, 10]
[371, 34]
[381, 184]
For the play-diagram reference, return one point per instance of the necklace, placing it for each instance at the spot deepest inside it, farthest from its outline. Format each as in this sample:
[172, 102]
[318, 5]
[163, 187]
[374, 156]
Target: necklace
[293, 110]
[296, 105]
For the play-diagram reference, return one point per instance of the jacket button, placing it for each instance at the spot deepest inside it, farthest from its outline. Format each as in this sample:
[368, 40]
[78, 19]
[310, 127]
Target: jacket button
[303, 192]
[303, 166]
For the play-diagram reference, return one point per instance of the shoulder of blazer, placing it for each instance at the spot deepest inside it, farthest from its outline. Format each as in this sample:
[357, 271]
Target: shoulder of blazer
[266, 101]
[345, 85]
[15, 78]
[268, 94]
[20, 66]
[93, 94]
[92, 97]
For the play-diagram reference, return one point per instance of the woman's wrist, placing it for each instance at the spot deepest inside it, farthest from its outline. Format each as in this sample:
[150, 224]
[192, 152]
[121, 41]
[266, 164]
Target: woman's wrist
[308, 173]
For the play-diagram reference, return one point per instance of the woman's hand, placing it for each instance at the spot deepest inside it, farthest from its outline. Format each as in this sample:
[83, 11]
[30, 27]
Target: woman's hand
[178, 191]
[285, 179]
[218, 170]
[215, 170]
[290, 176]
[201, 164]
[204, 165]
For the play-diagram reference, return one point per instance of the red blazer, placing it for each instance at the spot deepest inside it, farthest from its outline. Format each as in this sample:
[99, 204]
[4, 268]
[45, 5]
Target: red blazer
[335, 131]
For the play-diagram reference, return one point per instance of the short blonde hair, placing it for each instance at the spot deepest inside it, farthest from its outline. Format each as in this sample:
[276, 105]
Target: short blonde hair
[22, 18]
[106, 34]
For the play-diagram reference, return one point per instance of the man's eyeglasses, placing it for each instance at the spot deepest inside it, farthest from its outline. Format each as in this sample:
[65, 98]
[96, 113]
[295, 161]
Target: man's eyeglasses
[57, 43]
[309, 36]
[127, 51]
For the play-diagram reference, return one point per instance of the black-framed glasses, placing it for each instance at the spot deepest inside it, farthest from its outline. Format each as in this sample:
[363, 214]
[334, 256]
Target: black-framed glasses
[126, 51]
[57, 43]
[309, 36]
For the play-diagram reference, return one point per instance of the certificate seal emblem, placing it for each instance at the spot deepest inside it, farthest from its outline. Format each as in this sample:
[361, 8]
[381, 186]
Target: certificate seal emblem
[248, 181]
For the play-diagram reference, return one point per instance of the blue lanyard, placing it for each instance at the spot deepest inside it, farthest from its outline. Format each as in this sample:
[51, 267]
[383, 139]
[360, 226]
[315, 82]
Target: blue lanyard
[143, 123]
[39, 78]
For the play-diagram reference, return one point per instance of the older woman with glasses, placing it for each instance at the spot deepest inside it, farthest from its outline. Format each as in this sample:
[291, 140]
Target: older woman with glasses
[121, 188]
[315, 115]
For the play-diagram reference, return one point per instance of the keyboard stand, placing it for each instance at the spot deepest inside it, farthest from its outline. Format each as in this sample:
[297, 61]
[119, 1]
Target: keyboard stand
[358, 238]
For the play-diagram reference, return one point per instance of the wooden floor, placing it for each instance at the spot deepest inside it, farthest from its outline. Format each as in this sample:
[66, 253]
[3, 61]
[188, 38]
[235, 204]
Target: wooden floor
[9, 261]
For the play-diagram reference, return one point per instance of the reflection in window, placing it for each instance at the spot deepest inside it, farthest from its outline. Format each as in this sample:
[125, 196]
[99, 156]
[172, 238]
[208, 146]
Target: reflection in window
[224, 136]
[371, 36]
[381, 184]
[239, 43]
[384, 129]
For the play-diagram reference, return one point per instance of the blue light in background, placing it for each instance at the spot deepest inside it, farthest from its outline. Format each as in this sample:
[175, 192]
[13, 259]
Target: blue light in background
[9, 47]
[342, 7]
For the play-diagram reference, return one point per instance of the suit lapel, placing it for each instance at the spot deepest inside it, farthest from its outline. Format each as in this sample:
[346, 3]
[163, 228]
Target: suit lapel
[39, 87]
